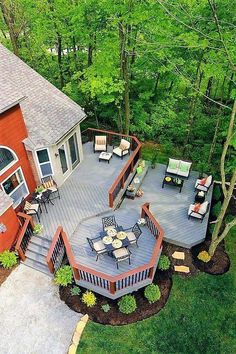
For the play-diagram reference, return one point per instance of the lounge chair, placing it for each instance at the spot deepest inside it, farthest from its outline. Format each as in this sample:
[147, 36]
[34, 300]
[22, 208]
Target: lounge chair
[203, 184]
[198, 211]
[49, 183]
[133, 234]
[32, 209]
[109, 222]
[179, 168]
[100, 143]
[97, 245]
[121, 255]
[123, 149]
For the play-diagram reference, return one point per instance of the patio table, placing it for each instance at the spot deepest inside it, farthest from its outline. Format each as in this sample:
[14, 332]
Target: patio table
[43, 197]
[173, 181]
[124, 243]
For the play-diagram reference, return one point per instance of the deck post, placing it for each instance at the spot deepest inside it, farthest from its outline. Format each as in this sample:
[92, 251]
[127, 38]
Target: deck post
[123, 182]
[112, 287]
[146, 205]
[76, 273]
[150, 275]
[110, 200]
[132, 166]
[50, 266]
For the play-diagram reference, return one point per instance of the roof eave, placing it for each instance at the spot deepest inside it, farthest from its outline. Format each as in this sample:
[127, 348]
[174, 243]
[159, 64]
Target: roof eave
[13, 104]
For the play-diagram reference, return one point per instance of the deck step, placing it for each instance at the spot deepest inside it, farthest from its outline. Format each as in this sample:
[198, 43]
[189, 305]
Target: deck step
[37, 249]
[37, 266]
[36, 257]
[178, 255]
[182, 269]
[40, 241]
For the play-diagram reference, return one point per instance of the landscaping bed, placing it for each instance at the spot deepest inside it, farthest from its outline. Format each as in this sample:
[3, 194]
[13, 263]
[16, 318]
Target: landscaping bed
[114, 316]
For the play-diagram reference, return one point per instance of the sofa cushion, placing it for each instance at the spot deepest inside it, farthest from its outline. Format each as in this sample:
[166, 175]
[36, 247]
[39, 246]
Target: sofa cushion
[208, 181]
[173, 164]
[124, 144]
[203, 208]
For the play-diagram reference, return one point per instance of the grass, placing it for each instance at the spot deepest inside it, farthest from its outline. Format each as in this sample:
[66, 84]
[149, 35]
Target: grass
[200, 317]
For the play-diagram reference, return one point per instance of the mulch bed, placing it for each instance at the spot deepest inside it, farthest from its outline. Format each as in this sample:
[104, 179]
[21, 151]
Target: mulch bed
[4, 273]
[218, 265]
[114, 317]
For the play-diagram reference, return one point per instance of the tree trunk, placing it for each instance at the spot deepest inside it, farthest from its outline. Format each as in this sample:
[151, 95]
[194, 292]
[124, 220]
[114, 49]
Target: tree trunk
[59, 59]
[9, 19]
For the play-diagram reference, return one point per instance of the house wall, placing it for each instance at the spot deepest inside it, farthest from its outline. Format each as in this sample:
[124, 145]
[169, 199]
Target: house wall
[55, 159]
[7, 238]
[12, 133]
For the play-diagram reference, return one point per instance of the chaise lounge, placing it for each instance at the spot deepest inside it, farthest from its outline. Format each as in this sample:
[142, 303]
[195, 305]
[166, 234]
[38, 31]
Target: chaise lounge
[203, 184]
[198, 211]
[179, 168]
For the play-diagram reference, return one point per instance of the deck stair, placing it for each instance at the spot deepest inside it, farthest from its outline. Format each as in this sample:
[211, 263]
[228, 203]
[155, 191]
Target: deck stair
[36, 254]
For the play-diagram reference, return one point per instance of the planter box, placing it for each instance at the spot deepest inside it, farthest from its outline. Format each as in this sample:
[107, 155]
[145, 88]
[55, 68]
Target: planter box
[140, 176]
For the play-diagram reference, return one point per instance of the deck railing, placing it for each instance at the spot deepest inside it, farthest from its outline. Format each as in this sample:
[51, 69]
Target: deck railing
[25, 234]
[111, 284]
[114, 138]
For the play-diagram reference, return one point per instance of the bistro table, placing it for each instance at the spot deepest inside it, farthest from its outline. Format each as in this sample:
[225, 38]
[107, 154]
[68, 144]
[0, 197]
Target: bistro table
[43, 198]
[115, 242]
[173, 181]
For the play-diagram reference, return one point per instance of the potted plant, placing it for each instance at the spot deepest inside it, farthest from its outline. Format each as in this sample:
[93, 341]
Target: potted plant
[154, 159]
[38, 229]
[39, 189]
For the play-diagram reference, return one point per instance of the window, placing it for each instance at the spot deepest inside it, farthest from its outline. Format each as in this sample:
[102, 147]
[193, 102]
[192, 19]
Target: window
[44, 162]
[7, 159]
[74, 152]
[63, 158]
[16, 187]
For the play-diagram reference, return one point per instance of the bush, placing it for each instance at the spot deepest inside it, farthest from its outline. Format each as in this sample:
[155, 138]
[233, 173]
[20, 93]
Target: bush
[127, 304]
[216, 209]
[64, 276]
[89, 299]
[217, 193]
[75, 291]
[204, 256]
[164, 263]
[38, 229]
[106, 308]
[8, 259]
[211, 228]
[152, 293]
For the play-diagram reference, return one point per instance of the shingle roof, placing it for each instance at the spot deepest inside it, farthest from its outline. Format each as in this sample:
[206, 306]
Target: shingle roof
[49, 114]
[5, 202]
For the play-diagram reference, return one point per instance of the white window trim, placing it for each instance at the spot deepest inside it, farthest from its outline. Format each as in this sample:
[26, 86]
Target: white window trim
[11, 163]
[23, 182]
[73, 165]
[43, 163]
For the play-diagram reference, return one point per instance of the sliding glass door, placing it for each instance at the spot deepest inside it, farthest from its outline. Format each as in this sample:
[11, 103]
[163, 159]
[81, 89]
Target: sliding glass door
[63, 158]
[74, 151]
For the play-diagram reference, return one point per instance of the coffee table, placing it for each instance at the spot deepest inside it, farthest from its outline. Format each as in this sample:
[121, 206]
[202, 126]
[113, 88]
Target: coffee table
[173, 181]
[105, 156]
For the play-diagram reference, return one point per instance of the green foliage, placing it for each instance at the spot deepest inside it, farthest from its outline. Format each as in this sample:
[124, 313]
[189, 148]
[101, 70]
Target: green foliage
[8, 259]
[38, 228]
[106, 308]
[211, 228]
[216, 209]
[127, 304]
[164, 263]
[75, 290]
[89, 299]
[152, 293]
[39, 189]
[64, 276]
[216, 193]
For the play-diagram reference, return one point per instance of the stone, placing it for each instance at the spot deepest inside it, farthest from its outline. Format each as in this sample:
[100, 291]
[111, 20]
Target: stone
[76, 338]
[72, 349]
[183, 269]
[84, 318]
[178, 255]
[80, 326]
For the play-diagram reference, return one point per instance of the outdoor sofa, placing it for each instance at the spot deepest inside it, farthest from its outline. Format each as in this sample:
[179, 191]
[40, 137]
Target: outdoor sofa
[179, 168]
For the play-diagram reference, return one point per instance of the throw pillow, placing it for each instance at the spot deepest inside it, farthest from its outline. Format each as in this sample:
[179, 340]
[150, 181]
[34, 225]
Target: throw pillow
[184, 167]
[196, 207]
[202, 181]
[173, 164]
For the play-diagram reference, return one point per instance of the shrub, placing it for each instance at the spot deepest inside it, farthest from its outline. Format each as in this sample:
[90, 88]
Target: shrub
[75, 291]
[38, 228]
[204, 256]
[106, 308]
[64, 276]
[127, 304]
[164, 263]
[152, 293]
[217, 193]
[216, 209]
[89, 299]
[8, 259]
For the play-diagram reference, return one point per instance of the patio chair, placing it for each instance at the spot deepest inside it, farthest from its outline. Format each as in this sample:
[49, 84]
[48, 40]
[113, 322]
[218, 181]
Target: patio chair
[123, 149]
[198, 212]
[49, 183]
[122, 254]
[203, 184]
[97, 245]
[32, 209]
[133, 234]
[100, 143]
[109, 222]
[179, 168]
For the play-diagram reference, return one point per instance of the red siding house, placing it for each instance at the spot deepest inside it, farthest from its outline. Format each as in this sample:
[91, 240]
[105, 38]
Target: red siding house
[39, 136]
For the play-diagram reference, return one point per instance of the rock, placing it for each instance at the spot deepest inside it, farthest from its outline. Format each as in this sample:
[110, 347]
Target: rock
[182, 269]
[76, 338]
[80, 326]
[72, 349]
[178, 255]
[84, 318]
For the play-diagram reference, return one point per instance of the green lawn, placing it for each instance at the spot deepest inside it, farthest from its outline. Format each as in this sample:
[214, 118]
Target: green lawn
[200, 317]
